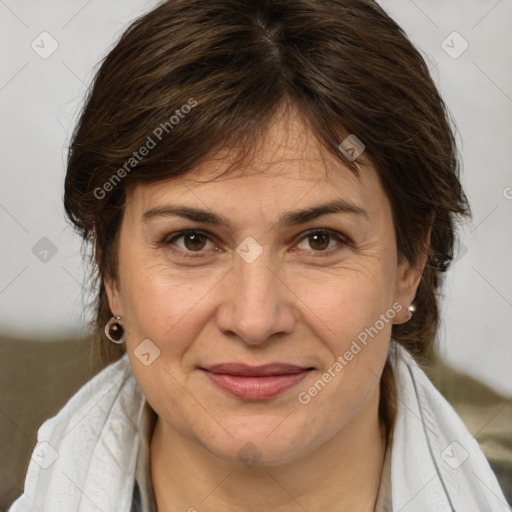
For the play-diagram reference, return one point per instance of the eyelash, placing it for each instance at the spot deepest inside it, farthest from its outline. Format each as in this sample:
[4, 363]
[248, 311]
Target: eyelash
[169, 239]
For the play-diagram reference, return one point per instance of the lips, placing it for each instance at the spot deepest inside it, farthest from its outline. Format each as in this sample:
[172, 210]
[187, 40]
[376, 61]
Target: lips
[255, 382]
[263, 370]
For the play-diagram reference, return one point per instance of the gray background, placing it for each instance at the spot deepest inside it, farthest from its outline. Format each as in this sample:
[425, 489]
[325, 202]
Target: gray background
[41, 293]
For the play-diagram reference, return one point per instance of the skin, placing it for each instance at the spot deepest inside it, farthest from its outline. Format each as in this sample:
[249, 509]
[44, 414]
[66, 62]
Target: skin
[297, 302]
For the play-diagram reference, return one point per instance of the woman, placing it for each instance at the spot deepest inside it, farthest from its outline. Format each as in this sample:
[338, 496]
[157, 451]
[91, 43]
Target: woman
[270, 191]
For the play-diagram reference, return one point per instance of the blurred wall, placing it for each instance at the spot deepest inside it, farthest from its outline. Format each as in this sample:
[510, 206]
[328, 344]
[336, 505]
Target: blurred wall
[49, 52]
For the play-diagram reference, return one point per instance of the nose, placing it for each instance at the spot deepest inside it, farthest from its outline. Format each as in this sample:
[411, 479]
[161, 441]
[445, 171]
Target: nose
[257, 304]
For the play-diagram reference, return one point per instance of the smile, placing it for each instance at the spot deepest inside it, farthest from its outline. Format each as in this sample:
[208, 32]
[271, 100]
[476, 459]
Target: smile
[255, 382]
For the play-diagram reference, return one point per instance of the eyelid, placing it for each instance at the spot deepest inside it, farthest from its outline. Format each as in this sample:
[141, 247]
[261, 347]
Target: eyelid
[170, 237]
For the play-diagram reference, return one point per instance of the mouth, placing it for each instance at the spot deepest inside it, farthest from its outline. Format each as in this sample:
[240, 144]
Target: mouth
[255, 382]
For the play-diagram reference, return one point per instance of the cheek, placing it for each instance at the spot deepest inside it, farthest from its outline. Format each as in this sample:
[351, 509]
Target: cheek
[352, 314]
[353, 320]
[160, 304]
[171, 309]
[341, 305]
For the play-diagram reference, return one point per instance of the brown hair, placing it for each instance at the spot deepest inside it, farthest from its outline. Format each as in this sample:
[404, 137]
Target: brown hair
[345, 66]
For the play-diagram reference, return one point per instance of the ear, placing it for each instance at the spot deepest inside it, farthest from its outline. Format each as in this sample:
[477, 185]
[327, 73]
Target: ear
[111, 286]
[407, 282]
[113, 295]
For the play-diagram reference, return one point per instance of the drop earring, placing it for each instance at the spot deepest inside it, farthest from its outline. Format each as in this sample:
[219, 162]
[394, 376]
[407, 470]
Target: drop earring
[114, 331]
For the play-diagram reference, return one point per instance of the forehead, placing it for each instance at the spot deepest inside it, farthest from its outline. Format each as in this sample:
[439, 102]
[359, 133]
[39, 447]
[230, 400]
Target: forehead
[288, 148]
[285, 165]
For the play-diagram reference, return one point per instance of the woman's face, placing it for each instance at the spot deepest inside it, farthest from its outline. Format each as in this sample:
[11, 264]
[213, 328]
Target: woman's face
[294, 262]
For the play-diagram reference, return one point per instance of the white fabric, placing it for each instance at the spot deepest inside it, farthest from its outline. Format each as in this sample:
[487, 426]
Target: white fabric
[95, 437]
[145, 501]
[436, 465]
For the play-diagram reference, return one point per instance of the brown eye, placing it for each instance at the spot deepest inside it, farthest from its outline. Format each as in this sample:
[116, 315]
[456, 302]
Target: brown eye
[320, 241]
[194, 241]
[191, 242]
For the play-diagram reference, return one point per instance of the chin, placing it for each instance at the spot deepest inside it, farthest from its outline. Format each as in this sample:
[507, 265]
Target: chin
[266, 441]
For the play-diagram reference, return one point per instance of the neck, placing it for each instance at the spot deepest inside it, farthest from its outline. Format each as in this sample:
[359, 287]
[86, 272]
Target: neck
[341, 475]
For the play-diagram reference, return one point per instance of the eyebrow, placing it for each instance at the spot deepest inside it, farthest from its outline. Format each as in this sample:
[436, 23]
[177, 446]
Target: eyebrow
[291, 218]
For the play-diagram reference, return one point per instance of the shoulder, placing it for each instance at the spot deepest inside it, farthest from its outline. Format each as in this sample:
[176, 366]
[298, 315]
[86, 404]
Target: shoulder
[89, 448]
[99, 392]
[434, 456]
